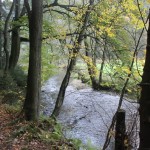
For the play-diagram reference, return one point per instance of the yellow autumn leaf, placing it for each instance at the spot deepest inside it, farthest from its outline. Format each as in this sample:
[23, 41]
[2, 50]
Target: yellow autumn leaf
[129, 90]
[69, 46]
[126, 70]
[148, 1]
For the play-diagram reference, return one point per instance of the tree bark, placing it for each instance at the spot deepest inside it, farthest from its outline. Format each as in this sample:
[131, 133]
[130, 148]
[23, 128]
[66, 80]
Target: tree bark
[94, 52]
[144, 109]
[1, 37]
[95, 84]
[103, 62]
[101, 68]
[77, 45]
[15, 39]
[120, 130]
[32, 101]
[6, 36]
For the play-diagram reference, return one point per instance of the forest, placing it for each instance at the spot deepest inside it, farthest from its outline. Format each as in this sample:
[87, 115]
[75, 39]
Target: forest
[74, 74]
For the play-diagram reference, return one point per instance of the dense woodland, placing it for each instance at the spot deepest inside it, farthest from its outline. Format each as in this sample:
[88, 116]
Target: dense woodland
[103, 43]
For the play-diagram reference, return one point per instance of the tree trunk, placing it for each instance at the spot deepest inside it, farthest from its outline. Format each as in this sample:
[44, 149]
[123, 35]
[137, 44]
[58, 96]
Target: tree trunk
[101, 68]
[77, 45]
[15, 40]
[103, 60]
[6, 36]
[95, 84]
[144, 109]
[95, 50]
[32, 101]
[120, 130]
[63, 87]
[1, 37]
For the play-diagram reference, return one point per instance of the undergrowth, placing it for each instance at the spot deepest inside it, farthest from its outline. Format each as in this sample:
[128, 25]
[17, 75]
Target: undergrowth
[114, 77]
[23, 135]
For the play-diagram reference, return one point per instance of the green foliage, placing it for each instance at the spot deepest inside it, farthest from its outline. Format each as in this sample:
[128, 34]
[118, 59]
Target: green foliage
[23, 21]
[19, 76]
[48, 66]
[115, 73]
[115, 15]
[10, 97]
[89, 146]
[111, 20]
[11, 94]
[12, 109]
[46, 130]
[48, 62]
[49, 29]
[7, 83]
[8, 90]
[77, 143]
[54, 128]
[30, 129]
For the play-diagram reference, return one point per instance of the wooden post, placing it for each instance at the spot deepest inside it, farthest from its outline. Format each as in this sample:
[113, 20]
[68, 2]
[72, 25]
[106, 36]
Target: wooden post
[120, 130]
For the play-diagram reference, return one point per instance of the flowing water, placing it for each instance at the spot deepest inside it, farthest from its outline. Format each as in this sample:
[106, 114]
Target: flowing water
[86, 114]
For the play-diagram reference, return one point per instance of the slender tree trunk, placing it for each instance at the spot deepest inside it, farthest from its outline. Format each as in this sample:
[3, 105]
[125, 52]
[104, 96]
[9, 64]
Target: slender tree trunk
[101, 68]
[15, 40]
[6, 36]
[144, 109]
[76, 49]
[32, 101]
[95, 84]
[63, 87]
[94, 56]
[103, 61]
[1, 37]
[108, 137]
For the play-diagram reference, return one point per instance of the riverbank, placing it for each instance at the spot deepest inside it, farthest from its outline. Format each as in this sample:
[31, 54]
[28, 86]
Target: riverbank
[87, 114]
[18, 134]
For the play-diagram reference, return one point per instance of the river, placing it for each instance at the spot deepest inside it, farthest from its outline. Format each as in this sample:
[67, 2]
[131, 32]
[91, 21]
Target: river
[87, 114]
